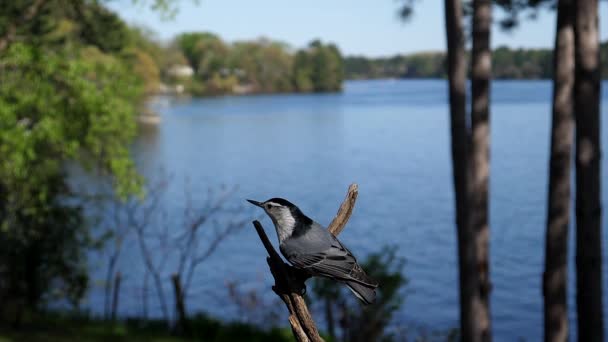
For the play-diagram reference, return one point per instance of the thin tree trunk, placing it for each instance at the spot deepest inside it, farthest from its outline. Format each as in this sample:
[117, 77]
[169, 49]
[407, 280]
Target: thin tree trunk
[479, 163]
[180, 306]
[152, 270]
[108, 285]
[558, 211]
[588, 202]
[161, 295]
[456, 66]
[116, 295]
[145, 295]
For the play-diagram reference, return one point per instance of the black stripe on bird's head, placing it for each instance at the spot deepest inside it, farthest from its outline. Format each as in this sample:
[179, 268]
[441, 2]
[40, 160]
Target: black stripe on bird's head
[278, 208]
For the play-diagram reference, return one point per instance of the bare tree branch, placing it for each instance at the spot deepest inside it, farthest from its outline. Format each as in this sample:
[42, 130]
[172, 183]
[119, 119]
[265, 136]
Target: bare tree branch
[289, 289]
[140, 224]
[164, 243]
[346, 209]
[289, 282]
[296, 328]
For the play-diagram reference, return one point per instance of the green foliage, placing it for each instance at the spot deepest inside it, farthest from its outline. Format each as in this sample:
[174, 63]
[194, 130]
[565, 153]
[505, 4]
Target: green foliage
[421, 65]
[214, 331]
[264, 64]
[102, 28]
[55, 108]
[62, 327]
[261, 66]
[67, 95]
[48, 251]
[144, 65]
[318, 68]
[506, 64]
[521, 63]
[61, 23]
[58, 106]
[204, 51]
[303, 72]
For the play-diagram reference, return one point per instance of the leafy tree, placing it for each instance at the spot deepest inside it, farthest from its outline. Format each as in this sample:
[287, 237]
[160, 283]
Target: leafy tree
[261, 65]
[276, 67]
[66, 95]
[264, 64]
[319, 68]
[144, 66]
[204, 51]
[303, 72]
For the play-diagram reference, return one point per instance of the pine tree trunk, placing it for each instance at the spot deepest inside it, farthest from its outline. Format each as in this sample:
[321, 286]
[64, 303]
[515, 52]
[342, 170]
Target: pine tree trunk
[588, 203]
[479, 163]
[558, 212]
[456, 67]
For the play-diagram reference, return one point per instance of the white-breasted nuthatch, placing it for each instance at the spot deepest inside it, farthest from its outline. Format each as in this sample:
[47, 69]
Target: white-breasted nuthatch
[310, 247]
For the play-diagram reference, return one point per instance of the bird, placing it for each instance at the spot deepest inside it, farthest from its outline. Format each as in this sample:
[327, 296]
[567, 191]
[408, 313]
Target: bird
[309, 246]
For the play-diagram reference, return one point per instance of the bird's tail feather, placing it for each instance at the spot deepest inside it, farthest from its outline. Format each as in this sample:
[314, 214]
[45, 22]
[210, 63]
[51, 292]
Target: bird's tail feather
[366, 294]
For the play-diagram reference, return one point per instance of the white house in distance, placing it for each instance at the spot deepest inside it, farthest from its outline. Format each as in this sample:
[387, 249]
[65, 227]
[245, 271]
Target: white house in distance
[180, 71]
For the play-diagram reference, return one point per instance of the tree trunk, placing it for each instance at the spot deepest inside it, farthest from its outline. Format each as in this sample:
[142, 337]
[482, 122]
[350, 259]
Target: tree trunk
[479, 163]
[558, 211]
[456, 67]
[588, 203]
[108, 286]
[180, 306]
[145, 296]
[115, 296]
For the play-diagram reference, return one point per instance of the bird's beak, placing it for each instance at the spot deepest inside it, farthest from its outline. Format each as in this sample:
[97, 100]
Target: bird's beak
[256, 203]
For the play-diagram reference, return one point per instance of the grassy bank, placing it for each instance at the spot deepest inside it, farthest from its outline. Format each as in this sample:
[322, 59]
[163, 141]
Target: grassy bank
[69, 328]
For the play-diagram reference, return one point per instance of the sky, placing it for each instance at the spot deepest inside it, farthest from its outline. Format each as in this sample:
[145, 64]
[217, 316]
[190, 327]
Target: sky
[359, 27]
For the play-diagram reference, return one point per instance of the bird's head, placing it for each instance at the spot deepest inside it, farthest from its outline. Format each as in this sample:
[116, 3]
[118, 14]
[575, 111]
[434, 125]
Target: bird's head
[278, 209]
[284, 214]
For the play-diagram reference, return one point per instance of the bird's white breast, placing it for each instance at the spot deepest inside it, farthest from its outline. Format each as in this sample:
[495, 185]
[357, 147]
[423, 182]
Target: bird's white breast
[285, 224]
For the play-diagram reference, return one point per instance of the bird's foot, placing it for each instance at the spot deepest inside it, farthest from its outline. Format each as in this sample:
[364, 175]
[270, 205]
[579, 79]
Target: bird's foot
[297, 280]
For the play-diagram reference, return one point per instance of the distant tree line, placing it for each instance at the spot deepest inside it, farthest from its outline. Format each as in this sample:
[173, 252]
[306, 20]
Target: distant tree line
[507, 63]
[258, 66]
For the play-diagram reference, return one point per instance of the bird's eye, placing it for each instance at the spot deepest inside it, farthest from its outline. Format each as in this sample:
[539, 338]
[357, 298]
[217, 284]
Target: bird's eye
[268, 206]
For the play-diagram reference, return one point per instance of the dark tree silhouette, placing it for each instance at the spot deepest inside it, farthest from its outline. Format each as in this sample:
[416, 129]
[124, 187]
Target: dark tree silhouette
[470, 157]
[456, 67]
[588, 154]
[558, 212]
[479, 163]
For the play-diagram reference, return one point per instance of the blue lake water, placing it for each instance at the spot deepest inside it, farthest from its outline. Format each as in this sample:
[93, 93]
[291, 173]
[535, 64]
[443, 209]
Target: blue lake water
[392, 138]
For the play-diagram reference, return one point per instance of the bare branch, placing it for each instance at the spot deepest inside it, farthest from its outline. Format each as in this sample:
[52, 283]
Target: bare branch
[211, 247]
[296, 328]
[346, 209]
[287, 289]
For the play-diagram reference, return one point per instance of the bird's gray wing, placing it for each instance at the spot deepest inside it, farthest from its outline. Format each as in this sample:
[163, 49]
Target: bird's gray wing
[335, 262]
